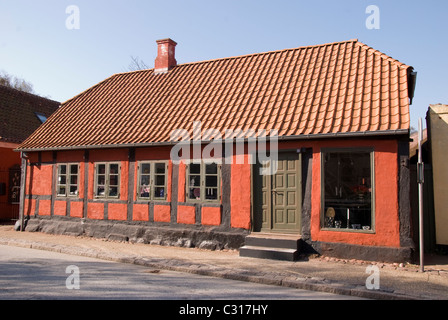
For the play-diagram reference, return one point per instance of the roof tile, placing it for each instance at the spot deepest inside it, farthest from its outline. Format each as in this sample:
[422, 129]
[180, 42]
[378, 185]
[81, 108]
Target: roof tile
[18, 110]
[343, 87]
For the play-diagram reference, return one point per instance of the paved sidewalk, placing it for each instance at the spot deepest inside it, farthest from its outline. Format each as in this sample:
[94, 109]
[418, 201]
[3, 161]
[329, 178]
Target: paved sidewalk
[347, 277]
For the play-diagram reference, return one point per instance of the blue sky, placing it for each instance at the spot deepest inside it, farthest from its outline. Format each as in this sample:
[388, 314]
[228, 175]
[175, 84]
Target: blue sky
[60, 63]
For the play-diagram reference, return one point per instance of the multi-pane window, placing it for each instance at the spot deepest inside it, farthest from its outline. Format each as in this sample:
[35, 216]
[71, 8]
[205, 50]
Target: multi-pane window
[159, 181]
[348, 189]
[203, 181]
[152, 181]
[144, 181]
[107, 180]
[194, 181]
[67, 183]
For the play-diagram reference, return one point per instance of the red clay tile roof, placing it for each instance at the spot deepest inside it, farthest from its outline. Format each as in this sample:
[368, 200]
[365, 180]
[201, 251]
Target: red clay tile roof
[337, 88]
[17, 113]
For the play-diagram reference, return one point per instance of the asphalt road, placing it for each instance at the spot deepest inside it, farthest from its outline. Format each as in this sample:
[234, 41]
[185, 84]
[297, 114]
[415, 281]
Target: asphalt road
[29, 274]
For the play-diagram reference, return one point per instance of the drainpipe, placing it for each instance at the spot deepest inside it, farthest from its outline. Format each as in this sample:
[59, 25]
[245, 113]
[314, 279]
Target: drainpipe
[24, 157]
[421, 181]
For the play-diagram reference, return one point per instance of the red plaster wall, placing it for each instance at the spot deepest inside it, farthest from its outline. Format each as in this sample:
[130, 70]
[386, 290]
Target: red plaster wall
[60, 208]
[70, 156]
[41, 182]
[181, 182]
[30, 207]
[82, 182]
[47, 156]
[124, 182]
[240, 194]
[169, 181]
[108, 155]
[162, 213]
[211, 216]
[41, 177]
[8, 158]
[140, 212]
[386, 200]
[44, 207]
[76, 209]
[186, 215]
[117, 211]
[33, 157]
[154, 153]
[136, 190]
[90, 180]
[95, 211]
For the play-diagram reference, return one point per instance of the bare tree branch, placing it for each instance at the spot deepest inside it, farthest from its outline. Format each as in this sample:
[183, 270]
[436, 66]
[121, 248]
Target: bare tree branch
[137, 64]
[15, 83]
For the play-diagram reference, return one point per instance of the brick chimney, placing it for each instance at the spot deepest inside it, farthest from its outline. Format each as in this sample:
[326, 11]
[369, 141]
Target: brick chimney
[166, 55]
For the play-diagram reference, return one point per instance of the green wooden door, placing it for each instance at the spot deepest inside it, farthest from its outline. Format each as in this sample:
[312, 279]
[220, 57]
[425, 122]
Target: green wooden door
[281, 195]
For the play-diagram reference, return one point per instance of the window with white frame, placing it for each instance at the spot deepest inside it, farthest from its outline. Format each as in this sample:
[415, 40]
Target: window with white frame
[107, 180]
[68, 180]
[203, 181]
[152, 180]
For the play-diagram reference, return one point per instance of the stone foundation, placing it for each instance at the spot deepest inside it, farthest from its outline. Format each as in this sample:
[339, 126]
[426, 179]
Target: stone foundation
[367, 253]
[204, 238]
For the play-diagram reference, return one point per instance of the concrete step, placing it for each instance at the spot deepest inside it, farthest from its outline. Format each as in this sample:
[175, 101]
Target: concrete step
[274, 241]
[271, 246]
[269, 253]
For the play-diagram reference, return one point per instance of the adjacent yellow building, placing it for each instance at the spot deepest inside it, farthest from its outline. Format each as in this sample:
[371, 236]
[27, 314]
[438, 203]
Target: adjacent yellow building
[437, 120]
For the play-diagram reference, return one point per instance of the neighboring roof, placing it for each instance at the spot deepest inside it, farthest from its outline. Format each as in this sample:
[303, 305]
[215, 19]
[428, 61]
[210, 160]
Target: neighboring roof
[325, 90]
[18, 110]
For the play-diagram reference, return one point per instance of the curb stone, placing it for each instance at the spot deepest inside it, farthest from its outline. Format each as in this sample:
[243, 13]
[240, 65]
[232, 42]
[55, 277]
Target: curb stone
[312, 284]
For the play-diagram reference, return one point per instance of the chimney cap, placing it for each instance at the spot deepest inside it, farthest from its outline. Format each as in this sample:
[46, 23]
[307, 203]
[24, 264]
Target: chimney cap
[161, 41]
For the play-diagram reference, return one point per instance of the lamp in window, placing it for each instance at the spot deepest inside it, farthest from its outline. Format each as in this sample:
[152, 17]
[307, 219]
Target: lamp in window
[361, 191]
[329, 218]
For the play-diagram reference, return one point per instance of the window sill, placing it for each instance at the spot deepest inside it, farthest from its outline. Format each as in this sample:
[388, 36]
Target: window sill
[190, 201]
[99, 199]
[151, 200]
[61, 197]
[349, 230]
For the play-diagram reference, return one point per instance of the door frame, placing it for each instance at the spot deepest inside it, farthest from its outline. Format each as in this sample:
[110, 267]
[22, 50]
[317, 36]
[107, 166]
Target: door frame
[256, 197]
